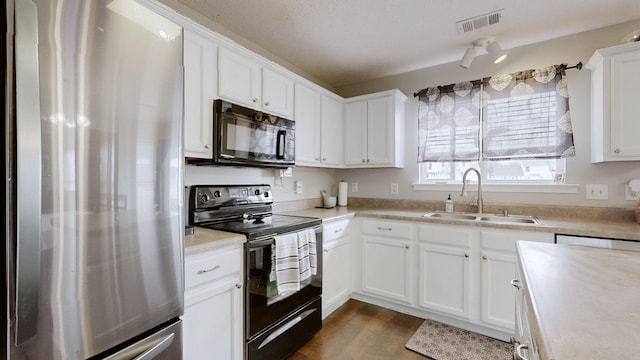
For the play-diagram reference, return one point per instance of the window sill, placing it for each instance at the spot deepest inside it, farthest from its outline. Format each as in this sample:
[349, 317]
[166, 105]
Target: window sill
[509, 188]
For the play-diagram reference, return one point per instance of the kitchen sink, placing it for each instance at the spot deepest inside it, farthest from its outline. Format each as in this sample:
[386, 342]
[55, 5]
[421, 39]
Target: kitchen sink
[510, 219]
[517, 219]
[456, 216]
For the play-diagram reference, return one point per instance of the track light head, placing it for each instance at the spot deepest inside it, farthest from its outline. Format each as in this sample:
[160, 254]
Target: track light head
[496, 51]
[468, 57]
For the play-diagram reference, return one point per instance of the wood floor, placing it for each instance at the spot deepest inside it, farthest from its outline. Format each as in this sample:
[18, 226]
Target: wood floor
[358, 330]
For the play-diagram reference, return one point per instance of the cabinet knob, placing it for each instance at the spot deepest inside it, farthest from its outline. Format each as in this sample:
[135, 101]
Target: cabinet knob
[364, 161]
[406, 246]
[326, 250]
[324, 159]
[367, 161]
[617, 150]
[255, 100]
[466, 255]
[317, 159]
[484, 257]
[238, 285]
[207, 146]
[266, 103]
[516, 283]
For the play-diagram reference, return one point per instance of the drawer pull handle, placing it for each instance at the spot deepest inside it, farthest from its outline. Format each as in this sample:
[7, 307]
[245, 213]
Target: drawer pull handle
[200, 272]
[385, 229]
[516, 283]
[337, 231]
[519, 349]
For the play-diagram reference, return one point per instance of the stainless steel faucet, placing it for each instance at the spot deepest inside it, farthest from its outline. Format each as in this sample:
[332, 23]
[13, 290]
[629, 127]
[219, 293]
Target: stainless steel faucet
[464, 184]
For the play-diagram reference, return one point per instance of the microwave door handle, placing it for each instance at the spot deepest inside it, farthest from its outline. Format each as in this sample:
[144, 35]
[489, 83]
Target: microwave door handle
[28, 173]
[281, 144]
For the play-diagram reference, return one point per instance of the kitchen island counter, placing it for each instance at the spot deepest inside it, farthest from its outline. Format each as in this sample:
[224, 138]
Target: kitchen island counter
[585, 301]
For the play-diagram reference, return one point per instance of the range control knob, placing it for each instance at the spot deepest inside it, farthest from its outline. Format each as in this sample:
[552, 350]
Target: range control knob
[266, 194]
[257, 192]
[204, 197]
[217, 193]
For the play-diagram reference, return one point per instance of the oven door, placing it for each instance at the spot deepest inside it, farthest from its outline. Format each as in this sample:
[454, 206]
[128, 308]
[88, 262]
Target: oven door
[264, 306]
[254, 139]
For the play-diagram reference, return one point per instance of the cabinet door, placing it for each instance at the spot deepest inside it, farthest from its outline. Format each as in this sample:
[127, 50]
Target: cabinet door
[498, 294]
[239, 79]
[355, 134]
[444, 279]
[213, 322]
[337, 270]
[277, 93]
[332, 136]
[386, 268]
[199, 92]
[625, 107]
[307, 118]
[380, 131]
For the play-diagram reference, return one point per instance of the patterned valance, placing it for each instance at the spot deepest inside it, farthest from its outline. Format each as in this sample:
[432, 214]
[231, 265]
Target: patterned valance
[524, 115]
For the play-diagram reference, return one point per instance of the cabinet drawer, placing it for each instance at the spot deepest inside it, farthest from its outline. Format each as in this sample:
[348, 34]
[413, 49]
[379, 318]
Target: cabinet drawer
[202, 268]
[506, 239]
[387, 228]
[335, 230]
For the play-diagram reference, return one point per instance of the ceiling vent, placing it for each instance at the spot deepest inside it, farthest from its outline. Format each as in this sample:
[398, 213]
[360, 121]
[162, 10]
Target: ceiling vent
[474, 23]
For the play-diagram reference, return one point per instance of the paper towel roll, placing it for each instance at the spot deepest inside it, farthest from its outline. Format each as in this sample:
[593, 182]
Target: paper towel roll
[343, 189]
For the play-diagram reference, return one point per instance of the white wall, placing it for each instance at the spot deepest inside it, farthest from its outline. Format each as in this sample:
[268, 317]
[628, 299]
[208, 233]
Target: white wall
[313, 180]
[570, 50]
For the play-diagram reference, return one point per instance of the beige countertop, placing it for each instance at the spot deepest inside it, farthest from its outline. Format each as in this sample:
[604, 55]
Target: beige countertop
[594, 227]
[586, 301]
[206, 239]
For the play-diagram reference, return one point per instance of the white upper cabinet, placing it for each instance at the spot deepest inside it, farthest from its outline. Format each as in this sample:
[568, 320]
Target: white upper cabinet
[200, 79]
[244, 81]
[615, 125]
[307, 117]
[277, 93]
[374, 130]
[331, 131]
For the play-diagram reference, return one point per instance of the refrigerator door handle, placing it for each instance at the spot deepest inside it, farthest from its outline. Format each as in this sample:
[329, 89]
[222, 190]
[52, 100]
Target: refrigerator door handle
[28, 172]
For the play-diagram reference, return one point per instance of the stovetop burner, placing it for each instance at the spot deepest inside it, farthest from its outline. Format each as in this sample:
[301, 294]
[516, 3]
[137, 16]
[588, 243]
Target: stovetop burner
[243, 209]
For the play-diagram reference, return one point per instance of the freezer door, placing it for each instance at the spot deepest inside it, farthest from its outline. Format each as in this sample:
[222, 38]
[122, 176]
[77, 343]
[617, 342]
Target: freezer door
[166, 344]
[109, 252]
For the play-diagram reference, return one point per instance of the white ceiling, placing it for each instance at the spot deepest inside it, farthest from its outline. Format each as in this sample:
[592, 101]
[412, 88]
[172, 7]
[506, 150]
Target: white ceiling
[343, 42]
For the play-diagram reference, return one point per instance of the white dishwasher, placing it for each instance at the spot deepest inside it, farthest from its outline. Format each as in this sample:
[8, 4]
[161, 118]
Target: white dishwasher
[617, 244]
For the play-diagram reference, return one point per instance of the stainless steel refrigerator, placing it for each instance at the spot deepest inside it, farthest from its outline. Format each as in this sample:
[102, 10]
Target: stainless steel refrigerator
[93, 258]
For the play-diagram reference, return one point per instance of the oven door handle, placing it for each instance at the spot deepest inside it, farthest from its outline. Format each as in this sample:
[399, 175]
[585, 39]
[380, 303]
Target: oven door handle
[281, 144]
[262, 243]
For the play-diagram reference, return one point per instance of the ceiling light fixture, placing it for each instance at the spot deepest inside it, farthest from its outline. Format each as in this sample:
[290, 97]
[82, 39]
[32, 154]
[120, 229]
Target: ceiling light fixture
[492, 46]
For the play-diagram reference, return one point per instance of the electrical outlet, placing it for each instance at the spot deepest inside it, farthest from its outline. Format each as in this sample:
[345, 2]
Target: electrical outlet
[394, 188]
[597, 191]
[630, 195]
[354, 187]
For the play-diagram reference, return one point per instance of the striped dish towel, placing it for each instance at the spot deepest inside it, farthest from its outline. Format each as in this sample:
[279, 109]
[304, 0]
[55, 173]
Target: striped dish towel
[307, 253]
[286, 263]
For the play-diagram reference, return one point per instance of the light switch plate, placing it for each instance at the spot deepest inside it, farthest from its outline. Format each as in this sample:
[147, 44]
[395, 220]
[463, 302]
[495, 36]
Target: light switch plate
[394, 188]
[598, 191]
[354, 187]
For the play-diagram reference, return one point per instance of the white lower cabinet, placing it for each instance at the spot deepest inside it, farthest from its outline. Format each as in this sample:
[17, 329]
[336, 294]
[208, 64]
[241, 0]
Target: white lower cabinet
[444, 276]
[524, 348]
[337, 266]
[213, 326]
[387, 259]
[498, 268]
[466, 272]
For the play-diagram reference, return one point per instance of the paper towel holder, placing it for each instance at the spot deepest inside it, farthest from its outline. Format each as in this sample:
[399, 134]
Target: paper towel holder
[343, 187]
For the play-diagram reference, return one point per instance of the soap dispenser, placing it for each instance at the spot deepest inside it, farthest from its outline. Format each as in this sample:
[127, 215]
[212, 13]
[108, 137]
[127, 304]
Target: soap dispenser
[448, 205]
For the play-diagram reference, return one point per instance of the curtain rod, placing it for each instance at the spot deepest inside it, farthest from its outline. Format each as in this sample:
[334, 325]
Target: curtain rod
[577, 66]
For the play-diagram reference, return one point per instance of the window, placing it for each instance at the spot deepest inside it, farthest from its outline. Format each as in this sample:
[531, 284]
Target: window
[514, 128]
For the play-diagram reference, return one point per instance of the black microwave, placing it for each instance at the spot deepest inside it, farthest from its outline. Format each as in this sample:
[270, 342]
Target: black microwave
[247, 137]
